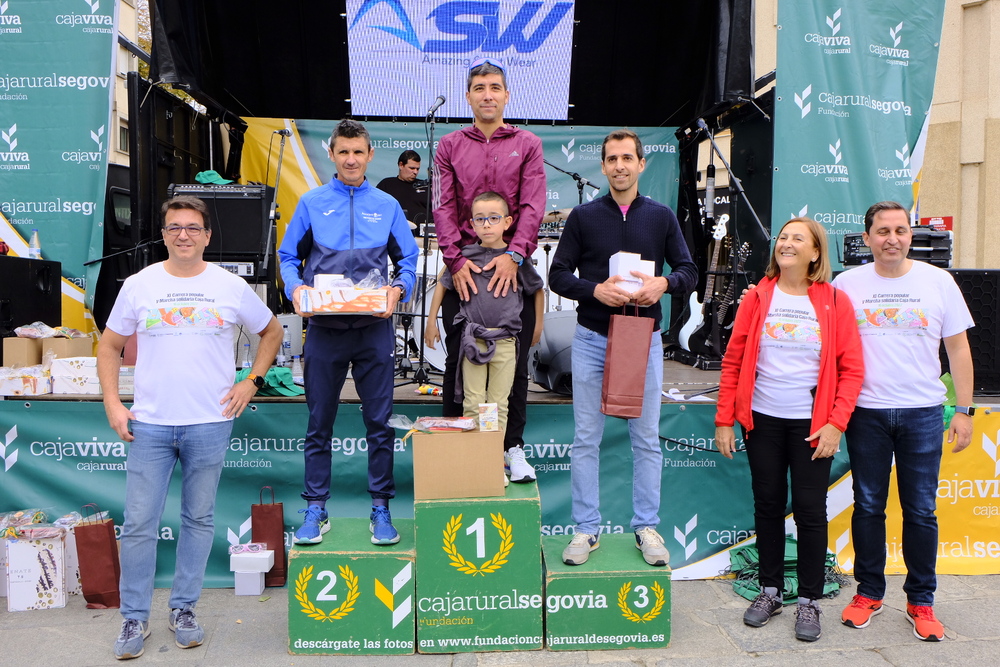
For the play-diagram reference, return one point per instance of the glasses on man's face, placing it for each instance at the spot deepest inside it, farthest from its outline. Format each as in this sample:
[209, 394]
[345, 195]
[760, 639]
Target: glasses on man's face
[487, 222]
[174, 230]
[478, 62]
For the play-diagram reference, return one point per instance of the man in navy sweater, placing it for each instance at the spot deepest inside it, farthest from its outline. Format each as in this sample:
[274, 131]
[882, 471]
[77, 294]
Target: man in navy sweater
[619, 221]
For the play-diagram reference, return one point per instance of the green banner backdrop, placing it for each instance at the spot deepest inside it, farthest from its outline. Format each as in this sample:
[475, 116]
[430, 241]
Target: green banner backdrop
[57, 82]
[61, 455]
[854, 88]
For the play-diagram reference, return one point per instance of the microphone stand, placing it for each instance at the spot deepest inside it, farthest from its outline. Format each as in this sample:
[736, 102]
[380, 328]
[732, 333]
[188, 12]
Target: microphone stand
[733, 178]
[272, 218]
[137, 246]
[580, 180]
[422, 374]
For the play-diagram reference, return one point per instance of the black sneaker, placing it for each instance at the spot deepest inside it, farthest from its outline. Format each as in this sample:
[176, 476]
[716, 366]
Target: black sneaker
[807, 622]
[761, 610]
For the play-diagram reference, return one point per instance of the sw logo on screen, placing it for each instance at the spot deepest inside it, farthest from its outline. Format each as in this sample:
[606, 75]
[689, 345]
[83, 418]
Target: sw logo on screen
[9, 455]
[483, 35]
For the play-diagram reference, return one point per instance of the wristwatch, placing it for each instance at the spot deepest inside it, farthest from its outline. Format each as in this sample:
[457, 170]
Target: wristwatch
[516, 256]
[965, 410]
[256, 379]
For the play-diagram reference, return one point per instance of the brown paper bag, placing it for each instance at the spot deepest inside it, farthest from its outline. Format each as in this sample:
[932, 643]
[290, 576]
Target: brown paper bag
[267, 525]
[625, 365]
[100, 569]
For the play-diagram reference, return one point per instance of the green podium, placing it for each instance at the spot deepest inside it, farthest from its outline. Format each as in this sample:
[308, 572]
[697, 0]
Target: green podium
[613, 601]
[347, 596]
[479, 576]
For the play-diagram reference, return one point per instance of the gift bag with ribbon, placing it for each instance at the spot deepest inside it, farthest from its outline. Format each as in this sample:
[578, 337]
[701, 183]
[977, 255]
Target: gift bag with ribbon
[97, 549]
[267, 525]
[625, 361]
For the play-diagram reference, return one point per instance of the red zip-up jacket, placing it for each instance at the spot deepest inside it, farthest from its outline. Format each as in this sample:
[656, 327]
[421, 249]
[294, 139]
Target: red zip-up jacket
[468, 164]
[841, 363]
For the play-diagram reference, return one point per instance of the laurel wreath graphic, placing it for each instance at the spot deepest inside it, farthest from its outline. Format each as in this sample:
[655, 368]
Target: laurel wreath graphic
[458, 561]
[311, 610]
[648, 616]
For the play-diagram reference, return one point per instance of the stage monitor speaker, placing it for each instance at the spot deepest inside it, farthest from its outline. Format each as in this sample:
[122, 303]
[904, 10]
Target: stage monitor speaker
[32, 292]
[981, 289]
[553, 368]
[239, 218]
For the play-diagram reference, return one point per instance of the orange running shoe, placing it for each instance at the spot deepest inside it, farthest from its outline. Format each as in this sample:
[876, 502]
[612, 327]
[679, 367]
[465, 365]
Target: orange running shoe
[859, 613]
[925, 624]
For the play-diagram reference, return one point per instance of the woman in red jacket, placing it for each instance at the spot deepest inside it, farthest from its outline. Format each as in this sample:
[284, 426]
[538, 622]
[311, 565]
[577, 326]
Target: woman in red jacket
[791, 375]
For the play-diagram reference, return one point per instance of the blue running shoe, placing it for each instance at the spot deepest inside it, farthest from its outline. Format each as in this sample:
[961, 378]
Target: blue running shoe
[381, 527]
[313, 526]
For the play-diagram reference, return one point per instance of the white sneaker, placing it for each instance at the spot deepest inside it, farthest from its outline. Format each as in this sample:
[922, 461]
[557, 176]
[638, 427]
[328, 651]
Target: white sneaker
[520, 470]
[649, 542]
[579, 548]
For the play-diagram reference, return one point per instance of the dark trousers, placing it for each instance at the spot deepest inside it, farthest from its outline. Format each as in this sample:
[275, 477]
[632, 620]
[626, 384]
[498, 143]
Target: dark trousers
[369, 353]
[776, 447]
[517, 405]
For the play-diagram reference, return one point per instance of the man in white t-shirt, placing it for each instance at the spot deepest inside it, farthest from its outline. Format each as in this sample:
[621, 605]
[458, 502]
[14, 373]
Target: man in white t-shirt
[904, 310]
[184, 313]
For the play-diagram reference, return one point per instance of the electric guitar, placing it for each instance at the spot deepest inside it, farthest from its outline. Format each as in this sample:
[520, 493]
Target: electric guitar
[697, 309]
[722, 309]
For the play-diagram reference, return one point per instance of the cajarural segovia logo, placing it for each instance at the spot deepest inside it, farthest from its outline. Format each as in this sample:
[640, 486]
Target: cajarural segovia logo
[893, 55]
[460, 19]
[690, 546]
[91, 22]
[12, 159]
[831, 173]
[835, 42]
[9, 454]
[801, 101]
[8, 22]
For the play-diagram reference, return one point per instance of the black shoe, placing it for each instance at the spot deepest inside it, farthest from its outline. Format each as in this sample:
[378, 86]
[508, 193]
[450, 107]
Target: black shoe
[761, 610]
[807, 622]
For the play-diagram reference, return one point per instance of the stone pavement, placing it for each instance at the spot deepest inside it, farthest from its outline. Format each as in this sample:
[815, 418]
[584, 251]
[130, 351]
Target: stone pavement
[707, 629]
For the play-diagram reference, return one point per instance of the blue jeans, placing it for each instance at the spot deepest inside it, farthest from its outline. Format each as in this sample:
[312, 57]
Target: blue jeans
[201, 449]
[588, 352]
[913, 436]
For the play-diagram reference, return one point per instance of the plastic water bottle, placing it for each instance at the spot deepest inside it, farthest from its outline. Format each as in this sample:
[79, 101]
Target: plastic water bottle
[247, 361]
[285, 353]
[34, 246]
[297, 375]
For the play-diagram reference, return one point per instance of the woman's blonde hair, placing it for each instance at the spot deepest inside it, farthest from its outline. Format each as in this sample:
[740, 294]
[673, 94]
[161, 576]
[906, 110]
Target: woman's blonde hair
[819, 270]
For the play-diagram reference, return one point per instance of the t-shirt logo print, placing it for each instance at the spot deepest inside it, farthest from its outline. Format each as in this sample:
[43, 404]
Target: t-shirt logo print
[372, 218]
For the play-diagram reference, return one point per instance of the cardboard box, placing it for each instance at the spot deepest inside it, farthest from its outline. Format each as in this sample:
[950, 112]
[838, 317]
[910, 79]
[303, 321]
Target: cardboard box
[36, 577]
[65, 384]
[623, 263]
[249, 583]
[74, 367]
[252, 561]
[25, 386]
[466, 464]
[22, 351]
[126, 380]
[346, 300]
[68, 347]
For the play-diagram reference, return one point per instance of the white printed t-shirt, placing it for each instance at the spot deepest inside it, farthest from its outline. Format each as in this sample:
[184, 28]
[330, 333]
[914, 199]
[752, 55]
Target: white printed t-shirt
[902, 321]
[185, 327]
[788, 361]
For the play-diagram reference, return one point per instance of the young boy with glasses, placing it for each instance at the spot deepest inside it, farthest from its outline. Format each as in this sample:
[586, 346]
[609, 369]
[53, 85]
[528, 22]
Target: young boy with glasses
[489, 326]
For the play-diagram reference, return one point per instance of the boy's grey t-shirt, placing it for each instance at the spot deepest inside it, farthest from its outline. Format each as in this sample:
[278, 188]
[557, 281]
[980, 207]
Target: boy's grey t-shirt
[483, 308]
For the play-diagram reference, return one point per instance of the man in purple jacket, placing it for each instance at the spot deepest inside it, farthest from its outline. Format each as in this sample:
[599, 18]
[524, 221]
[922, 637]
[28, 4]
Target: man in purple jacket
[489, 155]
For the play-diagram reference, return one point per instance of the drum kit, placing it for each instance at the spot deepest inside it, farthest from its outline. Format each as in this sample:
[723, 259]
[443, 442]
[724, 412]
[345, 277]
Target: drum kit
[410, 317]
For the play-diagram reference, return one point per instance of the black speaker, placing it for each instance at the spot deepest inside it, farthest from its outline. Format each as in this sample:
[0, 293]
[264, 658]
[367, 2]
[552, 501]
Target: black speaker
[239, 218]
[981, 288]
[32, 292]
